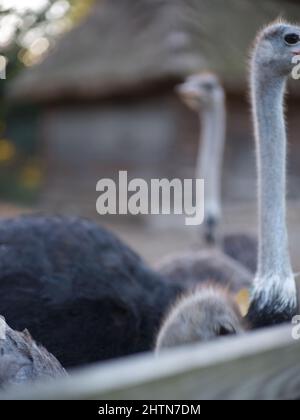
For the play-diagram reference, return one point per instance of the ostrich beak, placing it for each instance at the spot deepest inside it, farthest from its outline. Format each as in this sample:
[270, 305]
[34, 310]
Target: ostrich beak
[187, 91]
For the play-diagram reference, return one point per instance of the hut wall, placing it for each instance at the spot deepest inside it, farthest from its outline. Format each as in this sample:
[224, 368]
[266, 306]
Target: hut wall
[83, 143]
[150, 138]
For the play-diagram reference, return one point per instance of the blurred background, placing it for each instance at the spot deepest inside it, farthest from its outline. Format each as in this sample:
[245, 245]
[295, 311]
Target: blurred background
[90, 91]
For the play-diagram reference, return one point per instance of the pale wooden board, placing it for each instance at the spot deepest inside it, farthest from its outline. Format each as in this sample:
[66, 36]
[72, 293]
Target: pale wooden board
[260, 365]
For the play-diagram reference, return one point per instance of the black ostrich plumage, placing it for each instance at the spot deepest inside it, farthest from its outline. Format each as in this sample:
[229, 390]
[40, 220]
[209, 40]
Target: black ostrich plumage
[79, 290]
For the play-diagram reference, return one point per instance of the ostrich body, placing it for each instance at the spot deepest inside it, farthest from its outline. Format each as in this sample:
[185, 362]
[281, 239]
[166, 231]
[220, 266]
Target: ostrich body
[190, 269]
[22, 360]
[274, 296]
[81, 292]
[204, 94]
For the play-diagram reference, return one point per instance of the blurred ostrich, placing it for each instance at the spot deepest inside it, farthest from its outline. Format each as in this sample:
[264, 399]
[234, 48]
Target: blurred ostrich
[191, 268]
[22, 360]
[81, 292]
[207, 313]
[204, 94]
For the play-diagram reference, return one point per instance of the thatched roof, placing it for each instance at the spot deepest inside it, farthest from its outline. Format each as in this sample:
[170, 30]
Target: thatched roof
[125, 45]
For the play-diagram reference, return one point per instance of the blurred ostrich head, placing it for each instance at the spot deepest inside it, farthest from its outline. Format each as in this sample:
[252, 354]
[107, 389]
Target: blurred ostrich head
[206, 314]
[199, 90]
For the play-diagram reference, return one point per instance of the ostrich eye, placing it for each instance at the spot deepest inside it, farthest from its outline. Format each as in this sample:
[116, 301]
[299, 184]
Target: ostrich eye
[225, 331]
[208, 86]
[292, 39]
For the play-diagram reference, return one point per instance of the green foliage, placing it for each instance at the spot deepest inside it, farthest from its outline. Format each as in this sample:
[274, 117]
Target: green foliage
[21, 172]
[45, 25]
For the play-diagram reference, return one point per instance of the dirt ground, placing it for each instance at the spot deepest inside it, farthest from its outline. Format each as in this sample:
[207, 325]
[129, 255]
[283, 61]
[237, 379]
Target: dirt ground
[162, 237]
[157, 236]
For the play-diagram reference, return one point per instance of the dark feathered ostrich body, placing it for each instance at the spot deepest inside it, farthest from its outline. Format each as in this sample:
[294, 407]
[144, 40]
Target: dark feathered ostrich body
[241, 248]
[192, 268]
[80, 291]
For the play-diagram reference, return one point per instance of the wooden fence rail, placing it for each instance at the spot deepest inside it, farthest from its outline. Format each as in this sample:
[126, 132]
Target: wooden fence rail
[259, 365]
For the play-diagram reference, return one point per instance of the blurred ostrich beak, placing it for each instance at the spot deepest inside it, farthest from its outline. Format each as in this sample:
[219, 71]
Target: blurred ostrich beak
[187, 90]
[189, 95]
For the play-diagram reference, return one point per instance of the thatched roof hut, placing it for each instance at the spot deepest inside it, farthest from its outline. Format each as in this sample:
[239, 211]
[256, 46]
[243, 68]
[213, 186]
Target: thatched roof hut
[126, 46]
[106, 91]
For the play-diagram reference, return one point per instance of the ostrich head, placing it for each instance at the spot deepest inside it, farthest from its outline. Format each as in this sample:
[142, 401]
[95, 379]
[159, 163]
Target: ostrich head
[208, 313]
[275, 48]
[200, 90]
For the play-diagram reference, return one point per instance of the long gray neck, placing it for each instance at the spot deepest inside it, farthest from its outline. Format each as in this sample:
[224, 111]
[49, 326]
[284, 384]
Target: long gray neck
[210, 159]
[274, 276]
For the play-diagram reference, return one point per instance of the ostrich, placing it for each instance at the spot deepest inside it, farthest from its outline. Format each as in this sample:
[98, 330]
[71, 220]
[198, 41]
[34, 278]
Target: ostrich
[274, 296]
[22, 360]
[81, 292]
[191, 268]
[204, 94]
[208, 312]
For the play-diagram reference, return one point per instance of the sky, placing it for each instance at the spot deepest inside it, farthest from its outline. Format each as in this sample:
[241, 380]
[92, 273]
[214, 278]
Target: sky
[10, 22]
[20, 5]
